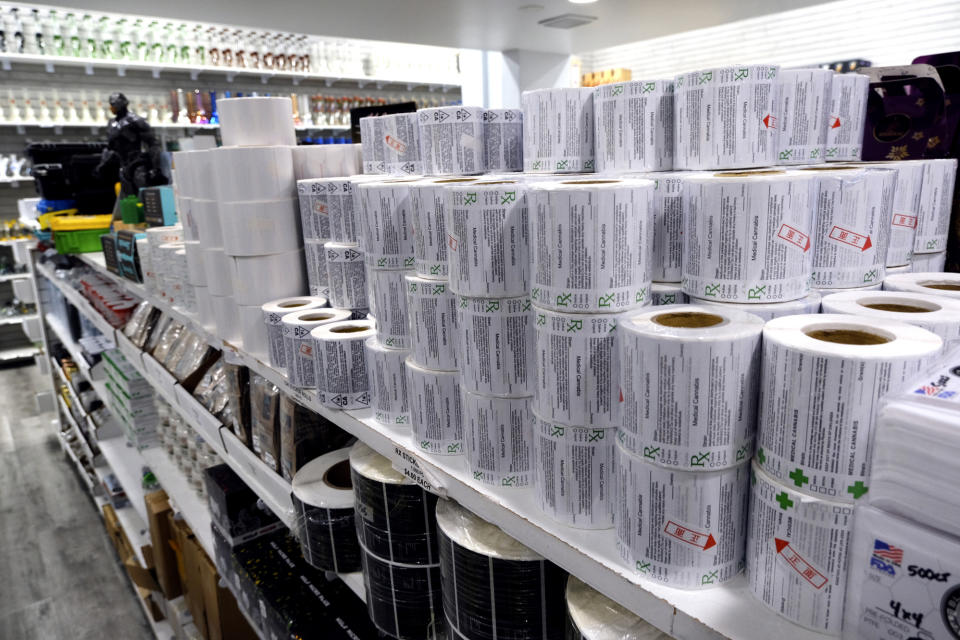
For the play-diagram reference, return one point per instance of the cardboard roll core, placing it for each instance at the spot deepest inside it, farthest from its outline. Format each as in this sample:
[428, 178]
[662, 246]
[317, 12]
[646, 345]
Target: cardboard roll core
[847, 336]
[688, 320]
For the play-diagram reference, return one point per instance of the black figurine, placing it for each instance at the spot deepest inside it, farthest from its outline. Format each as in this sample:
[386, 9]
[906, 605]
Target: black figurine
[132, 148]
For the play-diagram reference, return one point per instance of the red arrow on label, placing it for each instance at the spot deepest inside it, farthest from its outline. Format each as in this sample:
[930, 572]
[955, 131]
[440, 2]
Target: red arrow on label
[794, 236]
[836, 123]
[801, 566]
[851, 238]
[684, 534]
[769, 121]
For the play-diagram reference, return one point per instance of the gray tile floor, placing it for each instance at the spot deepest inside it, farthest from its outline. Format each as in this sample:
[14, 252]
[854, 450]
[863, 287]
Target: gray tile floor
[59, 575]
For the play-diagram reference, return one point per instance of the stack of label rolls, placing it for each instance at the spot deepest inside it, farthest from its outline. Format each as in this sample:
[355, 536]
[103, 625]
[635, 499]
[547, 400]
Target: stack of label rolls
[273, 314]
[593, 616]
[195, 284]
[668, 206]
[391, 144]
[933, 222]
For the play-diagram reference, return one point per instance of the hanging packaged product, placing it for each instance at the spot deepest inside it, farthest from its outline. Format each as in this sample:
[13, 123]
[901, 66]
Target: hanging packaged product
[797, 553]
[499, 437]
[323, 502]
[388, 304]
[259, 279]
[318, 198]
[577, 362]
[318, 277]
[822, 377]
[906, 209]
[405, 601]
[436, 408]
[503, 140]
[347, 276]
[298, 347]
[681, 528]
[431, 307]
[341, 364]
[385, 221]
[633, 126]
[688, 385]
[748, 236]
[939, 284]
[592, 244]
[664, 293]
[847, 116]
[391, 144]
[558, 130]
[386, 369]
[928, 262]
[428, 202]
[256, 121]
[574, 468]
[770, 310]
[936, 202]
[593, 616]
[494, 586]
[496, 335]
[261, 227]
[803, 106]
[938, 314]
[273, 312]
[725, 118]
[241, 174]
[451, 140]
[487, 239]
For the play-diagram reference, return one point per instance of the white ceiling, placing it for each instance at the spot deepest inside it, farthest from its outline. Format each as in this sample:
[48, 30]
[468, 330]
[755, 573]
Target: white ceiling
[477, 24]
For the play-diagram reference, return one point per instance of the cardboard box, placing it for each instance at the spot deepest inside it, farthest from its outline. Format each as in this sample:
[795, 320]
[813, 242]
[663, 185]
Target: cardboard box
[224, 619]
[159, 517]
[116, 534]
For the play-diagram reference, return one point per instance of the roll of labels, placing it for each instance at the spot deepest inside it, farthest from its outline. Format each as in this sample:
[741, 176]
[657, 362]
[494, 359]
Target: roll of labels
[496, 335]
[593, 616]
[298, 344]
[938, 314]
[451, 140]
[347, 276]
[803, 105]
[386, 370]
[273, 313]
[432, 310]
[503, 139]
[558, 133]
[436, 409]
[847, 116]
[633, 125]
[341, 371]
[428, 201]
[499, 438]
[388, 304]
[386, 223]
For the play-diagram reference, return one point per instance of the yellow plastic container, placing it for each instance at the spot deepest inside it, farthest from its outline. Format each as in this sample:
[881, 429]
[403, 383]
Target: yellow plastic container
[81, 223]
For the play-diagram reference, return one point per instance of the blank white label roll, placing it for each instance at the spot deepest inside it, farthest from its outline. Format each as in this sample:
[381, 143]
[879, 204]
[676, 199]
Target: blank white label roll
[252, 331]
[259, 279]
[558, 131]
[927, 262]
[938, 314]
[318, 277]
[591, 244]
[664, 293]
[499, 437]
[253, 173]
[748, 236]
[428, 202]
[431, 308]
[503, 139]
[847, 116]
[387, 236]
[797, 553]
[689, 385]
[298, 345]
[219, 270]
[633, 125]
[935, 283]
[451, 140]
[207, 216]
[906, 209]
[770, 310]
[436, 409]
[386, 369]
[256, 121]
[593, 616]
[273, 312]
[578, 363]
[341, 365]
[496, 339]
[258, 228]
[822, 378]
[487, 239]
[317, 199]
[802, 107]
[225, 317]
[574, 468]
[936, 201]
[191, 231]
[347, 276]
[388, 304]
[196, 271]
[684, 529]
[725, 118]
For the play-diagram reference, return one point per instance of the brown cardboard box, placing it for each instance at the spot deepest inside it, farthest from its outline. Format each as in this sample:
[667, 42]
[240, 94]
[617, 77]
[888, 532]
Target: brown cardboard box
[224, 619]
[187, 550]
[115, 531]
[161, 533]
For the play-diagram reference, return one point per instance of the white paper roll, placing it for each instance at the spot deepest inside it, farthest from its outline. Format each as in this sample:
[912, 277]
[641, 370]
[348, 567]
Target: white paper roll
[797, 553]
[803, 105]
[748, 236]
[904, 269]
[495, 337]
[770, 310]
[574, 468]
[503, 139]
[169, 271]
[258, 228]
[451, 140]
[935, 283]
[431, 308]
[371, 151]
[272, 313]
[499, 438]
[927, 263]
[938, 314]
[341, 367]
[667, 207]
[225, 317]
[847, 116]
[594, 616]
[259, 279]
[906, 209]
[319, 199]
[822, 377]
[315, 256]
[191, 229]
[725, 118]
[558, 130]
[688, 385]
[386, 369]
[254, 173]
[182, 289]
[162, 235]
[207, 216]
[256, 121]
[298, 343]
[488, 243]
[633, 126]
[386, 293]
[219, 270]
[428, 203]
[184, 167]
[204, 307]
[664, 293]
[252, 332]
[578, 364]
[681, 528]
[592, 244]
[347, 276]
[317, 161]
[391, 144]
[146, 264]
[436, 409]
[385, 221]
[936, 202]
[196, 271]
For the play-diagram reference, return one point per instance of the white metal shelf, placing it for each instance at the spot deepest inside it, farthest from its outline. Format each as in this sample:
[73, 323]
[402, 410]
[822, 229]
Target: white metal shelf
[62, 124]
[88, 481]
[76, 353]
[76, 299]
[127, 464]
[18, 353]
[15, 180]
[14, 276]
[16, 319]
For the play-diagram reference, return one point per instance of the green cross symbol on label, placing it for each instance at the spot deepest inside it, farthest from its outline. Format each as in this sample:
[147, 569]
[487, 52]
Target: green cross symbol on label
[798, 478]
[761, 456]
[784, 500]
[857, 489]
[643, 567]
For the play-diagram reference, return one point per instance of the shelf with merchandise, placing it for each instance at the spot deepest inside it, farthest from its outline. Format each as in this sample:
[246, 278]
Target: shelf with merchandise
[156, 125]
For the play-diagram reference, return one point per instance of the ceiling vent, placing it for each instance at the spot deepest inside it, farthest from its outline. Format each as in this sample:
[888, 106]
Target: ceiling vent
[567, 21]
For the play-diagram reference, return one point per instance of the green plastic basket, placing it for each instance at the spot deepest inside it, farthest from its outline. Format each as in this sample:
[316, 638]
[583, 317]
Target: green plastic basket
[85, 241]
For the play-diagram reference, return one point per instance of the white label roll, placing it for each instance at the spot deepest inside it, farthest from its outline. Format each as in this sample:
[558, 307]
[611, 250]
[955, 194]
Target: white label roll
[748, 236]
[253, 173]
[574, 468]
[436, 408]
[218, 266]
[664, 293]
[347, 276]
[558, 130]
[846, 119]
[259, 279]
[935, 283]
[936, 201]
[499, 437]
[371, 151]
[318, 198]
[196, 271]
[689, 385]
[725, 118]
[272, 314]
[394, 144]
[431, 308]
[388, 304]
[451, 140]
[667, 207]
[386, 369]
[488, 245]
[318, 277]
[938, 314]
[298, 346]
[591, 244]
[387, 237]
[928, 262]
[577, 367]
[770, 310]
[906, 210]
[822, 378]
[428, 202]
[496, 336]
[633, 126]
[802, 107]
[257, 228]
[681, 528]
[341, 364]
[797, 553]
[503, 139]
[256, 121]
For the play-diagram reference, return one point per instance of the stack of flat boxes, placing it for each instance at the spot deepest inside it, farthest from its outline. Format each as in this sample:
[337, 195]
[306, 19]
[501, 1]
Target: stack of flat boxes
[130, 400]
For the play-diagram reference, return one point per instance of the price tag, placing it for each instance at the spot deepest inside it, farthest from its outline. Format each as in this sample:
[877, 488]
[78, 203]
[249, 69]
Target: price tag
[409, 465]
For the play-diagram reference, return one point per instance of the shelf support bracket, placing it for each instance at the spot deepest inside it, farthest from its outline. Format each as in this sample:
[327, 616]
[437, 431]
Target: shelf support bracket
[194, 74]
[88, 69]
[122, 72]
[49, 67]
[155, 72]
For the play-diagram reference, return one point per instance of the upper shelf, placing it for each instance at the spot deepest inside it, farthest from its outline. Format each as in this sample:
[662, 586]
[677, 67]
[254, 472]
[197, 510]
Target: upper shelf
[50, 124]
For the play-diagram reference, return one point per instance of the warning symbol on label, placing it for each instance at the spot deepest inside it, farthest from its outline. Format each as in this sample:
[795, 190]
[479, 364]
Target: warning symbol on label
[903, 220]
[691, 537]
[801, 566]
[794, 236]
[851, 238]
